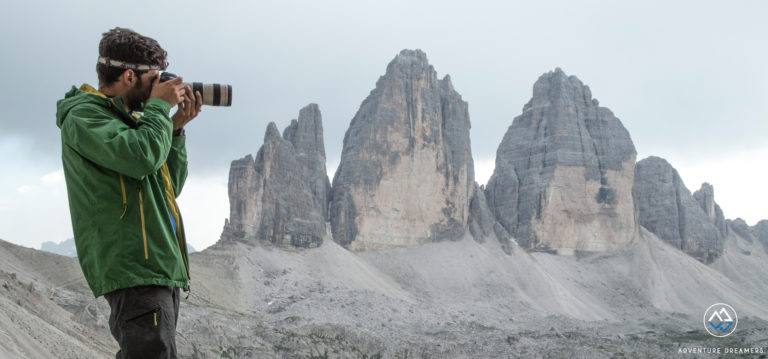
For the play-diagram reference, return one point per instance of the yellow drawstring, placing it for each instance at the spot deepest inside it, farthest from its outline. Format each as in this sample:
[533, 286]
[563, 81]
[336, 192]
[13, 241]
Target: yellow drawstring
[125, 202]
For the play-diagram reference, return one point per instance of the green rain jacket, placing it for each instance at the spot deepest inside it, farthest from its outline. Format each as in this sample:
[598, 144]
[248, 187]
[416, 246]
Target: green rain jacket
[123, 173]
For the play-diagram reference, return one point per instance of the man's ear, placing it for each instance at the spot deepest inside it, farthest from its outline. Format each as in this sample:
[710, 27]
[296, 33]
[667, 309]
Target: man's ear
[128, 78]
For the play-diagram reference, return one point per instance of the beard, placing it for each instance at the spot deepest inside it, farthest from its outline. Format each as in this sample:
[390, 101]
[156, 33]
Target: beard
[137, 96]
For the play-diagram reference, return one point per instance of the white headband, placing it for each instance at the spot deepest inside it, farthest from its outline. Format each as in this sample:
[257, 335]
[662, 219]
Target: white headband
[125, 65]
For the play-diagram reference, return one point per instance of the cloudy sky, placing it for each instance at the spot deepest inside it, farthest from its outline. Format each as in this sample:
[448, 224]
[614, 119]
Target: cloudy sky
[687, 78]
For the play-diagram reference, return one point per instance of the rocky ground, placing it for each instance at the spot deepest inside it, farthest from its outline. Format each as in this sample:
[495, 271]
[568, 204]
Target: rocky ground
[443, 300]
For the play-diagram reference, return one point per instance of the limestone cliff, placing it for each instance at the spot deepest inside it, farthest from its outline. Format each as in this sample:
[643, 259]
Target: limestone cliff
[706, 198]
[760, 232]
[481, 219]
[741, 228]
[406, 172]
[282, 195]
[667, 208]
[564, 172]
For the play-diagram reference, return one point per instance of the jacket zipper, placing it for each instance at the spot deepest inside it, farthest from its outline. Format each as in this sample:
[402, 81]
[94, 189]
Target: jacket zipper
[143, 225]
[125, 202]
[174, 209]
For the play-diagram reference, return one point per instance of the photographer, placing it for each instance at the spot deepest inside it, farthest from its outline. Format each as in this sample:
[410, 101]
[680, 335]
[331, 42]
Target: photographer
[123, 172]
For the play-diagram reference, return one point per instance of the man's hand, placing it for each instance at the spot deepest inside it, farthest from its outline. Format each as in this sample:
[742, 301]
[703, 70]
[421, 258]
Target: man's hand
[188, 109]
[171, 90]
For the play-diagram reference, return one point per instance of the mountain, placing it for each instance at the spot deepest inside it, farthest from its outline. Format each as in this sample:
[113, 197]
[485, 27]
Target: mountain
[667, 208]
[760, 232]
[406, 172]
[706, 198]
[64, 248]
[741, 227]
[282, 196]
[67, 248]
[564, 172]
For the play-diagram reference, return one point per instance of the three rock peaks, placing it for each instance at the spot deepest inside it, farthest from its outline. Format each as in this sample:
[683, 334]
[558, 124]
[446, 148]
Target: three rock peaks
[565, 181]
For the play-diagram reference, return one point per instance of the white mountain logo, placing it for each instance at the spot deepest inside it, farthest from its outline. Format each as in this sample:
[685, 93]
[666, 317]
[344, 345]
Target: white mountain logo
[722, 320]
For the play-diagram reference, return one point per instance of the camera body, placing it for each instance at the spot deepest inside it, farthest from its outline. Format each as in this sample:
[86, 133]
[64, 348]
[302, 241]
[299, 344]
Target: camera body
[213, 94]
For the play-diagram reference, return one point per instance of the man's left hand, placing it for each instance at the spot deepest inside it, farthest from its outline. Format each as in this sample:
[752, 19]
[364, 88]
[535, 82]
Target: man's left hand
[188, 109]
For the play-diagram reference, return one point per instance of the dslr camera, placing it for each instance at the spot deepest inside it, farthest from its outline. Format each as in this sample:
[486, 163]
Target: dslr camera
[213, 94]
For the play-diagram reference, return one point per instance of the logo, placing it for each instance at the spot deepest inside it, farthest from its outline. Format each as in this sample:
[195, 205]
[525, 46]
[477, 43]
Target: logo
[720, 320]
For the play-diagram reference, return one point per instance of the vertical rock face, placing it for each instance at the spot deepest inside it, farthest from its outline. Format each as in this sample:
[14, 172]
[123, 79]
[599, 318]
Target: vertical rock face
[666, 208]
[760, 232]
[406, 170]
[741, 228]
[564, 172]
[481, 219]
[706, 198]
[282, 196]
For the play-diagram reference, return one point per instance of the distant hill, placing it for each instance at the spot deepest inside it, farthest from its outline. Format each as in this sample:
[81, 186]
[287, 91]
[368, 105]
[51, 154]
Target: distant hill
[67, 248]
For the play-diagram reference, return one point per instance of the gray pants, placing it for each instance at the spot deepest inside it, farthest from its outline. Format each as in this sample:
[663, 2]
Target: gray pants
[143, 321]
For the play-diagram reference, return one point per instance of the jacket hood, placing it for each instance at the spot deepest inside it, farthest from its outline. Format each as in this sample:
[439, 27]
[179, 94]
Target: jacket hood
[85, 94]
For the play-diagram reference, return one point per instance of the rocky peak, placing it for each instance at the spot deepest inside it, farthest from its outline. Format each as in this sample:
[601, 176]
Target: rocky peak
[760, 232]
[564, 172]
[272, 134]
[481, 218]
[741, 228]
[406, 172]
[557, 88]
[409, 62]
[705, 196]
[666, 208]
[306, 133]
[282, 195]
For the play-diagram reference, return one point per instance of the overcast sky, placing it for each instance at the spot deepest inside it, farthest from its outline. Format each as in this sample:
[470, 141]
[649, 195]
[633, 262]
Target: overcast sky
[688, 79]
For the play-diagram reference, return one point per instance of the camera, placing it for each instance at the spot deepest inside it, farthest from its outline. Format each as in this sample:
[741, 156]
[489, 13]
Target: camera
[213, 94]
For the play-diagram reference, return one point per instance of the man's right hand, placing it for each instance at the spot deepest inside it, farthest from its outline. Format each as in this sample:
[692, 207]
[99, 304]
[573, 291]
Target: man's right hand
[171, 90]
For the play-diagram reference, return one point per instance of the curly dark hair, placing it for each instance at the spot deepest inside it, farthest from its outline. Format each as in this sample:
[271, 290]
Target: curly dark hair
[129, 46]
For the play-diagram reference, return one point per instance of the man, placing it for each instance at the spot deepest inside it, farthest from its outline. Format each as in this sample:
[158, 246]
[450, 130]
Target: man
[123, 172]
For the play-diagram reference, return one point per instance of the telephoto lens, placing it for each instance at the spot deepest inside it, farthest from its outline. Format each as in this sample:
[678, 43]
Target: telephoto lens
[213, 94]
